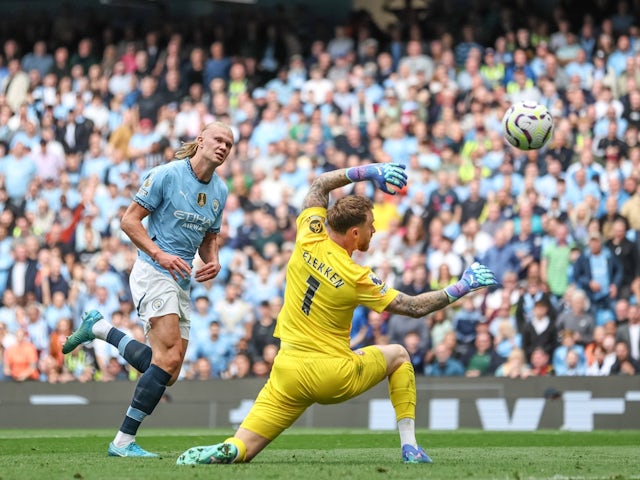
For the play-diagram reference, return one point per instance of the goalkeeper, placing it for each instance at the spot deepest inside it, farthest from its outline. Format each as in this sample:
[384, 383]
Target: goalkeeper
[324, 286]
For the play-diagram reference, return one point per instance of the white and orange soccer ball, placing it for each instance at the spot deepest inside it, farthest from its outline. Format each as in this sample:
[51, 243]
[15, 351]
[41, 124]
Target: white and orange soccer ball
[527, 125]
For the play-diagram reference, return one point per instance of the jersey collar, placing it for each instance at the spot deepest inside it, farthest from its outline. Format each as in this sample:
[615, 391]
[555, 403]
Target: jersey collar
[193, 174]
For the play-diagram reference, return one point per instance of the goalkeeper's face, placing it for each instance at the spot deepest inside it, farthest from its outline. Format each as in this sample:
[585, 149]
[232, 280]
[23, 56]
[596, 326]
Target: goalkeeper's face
[365, 232]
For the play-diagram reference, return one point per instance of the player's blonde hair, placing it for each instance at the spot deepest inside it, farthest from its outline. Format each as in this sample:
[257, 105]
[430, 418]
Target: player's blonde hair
[348, 212]
[188, 149]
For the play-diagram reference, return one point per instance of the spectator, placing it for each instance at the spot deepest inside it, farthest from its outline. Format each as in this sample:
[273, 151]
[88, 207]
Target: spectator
[17, 170]
[38, 59]
[598, 338]
[563, 363]
[465, 322]
[50, 280]
[399, 326]
[217, 348]
[57, 310]
[599, 273]
[515, 365]
[624, 363]
[75, 131]
[507, 339]
[443, 364]
[417, 353]
[443, 279]
[481, 359]
[416, 60]
[526, 243]
[264, 327]
[61, 66]
[572, 366]
[540, 331]
[114, 371]
[533, 291]
[502, 301]
[201, 316]
[630, 333]
[440, 325]
[201, 370]
[539, 361]
[235, 314]
[9, 312]
[627, 255]
[577, 319]
[444, 198]
[609, 216]
[84, 56]
[601, 364]
[22, 274]
[239, 367]
[631, 208]
[15, 85]
[120, 82]
[21, 359]
[142, 141]
[473, 243]
[374, 332]
[501, 256]
[412, 241]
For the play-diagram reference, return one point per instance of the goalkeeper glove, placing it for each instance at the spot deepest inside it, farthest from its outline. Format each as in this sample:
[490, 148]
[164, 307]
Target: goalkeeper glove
[380, 174]
[474, 277]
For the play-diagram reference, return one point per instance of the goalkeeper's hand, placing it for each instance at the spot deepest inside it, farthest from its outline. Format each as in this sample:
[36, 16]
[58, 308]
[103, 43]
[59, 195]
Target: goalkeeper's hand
[381, 174]
[475, 277]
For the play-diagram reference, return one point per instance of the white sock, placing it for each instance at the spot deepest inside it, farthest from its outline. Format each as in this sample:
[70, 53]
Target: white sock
[101, 328]
[123, 439]
[407, 431]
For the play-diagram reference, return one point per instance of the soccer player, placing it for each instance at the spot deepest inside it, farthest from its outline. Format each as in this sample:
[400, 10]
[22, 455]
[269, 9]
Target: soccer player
[324, 285]
[183, 201]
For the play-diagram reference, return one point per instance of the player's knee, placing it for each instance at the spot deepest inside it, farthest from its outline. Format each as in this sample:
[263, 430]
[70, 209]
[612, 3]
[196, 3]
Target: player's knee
[173, 365]
[174, 378]
[399, 355]
[403, 355]
[170, 362]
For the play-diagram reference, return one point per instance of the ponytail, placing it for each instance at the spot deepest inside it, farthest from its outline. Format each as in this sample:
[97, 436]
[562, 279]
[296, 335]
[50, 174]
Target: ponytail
[188, 149]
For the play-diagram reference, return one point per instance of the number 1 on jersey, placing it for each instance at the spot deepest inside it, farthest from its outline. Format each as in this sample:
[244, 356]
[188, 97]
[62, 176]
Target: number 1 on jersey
[312, 287]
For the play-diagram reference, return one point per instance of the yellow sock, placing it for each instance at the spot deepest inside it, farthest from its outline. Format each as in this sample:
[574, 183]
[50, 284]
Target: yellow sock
[242, 448]
[402, 391]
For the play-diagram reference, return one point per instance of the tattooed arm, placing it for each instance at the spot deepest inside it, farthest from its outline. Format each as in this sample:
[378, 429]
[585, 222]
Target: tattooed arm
[418, 305]
[318, 195]
[475, 277]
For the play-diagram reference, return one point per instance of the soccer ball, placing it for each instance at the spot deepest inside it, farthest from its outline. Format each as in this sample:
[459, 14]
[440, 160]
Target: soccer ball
[527, 125]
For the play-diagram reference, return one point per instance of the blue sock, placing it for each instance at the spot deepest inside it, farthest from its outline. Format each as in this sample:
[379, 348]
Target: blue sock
[149, 391]
[137, 354]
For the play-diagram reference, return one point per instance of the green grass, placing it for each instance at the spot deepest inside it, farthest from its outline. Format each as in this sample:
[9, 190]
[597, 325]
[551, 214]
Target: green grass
[328, 454]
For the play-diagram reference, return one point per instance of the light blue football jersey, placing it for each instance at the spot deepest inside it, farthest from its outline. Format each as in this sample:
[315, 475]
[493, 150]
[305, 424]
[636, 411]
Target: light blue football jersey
[183, 209]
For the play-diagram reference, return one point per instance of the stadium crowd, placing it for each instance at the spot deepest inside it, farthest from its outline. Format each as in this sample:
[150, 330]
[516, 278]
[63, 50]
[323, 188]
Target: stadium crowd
[83, 115]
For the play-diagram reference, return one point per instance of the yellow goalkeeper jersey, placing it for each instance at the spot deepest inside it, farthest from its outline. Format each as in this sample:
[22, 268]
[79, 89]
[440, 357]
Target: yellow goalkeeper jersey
[323, 287]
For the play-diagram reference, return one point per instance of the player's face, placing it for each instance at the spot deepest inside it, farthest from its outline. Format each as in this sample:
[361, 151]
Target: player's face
[216, 143]
[365, 232]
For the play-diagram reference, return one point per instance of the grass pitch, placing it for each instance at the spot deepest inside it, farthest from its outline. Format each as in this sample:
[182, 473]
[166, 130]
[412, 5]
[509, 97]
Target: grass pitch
[320, 454]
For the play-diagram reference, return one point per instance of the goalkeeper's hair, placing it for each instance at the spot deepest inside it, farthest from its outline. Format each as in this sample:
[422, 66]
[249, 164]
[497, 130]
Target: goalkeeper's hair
[188, 149]
[348, 212]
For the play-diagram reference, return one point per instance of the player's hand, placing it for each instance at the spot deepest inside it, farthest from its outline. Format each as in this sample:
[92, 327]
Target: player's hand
[176, 266]
[475, 277]
[381, 174]
[207, 272]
